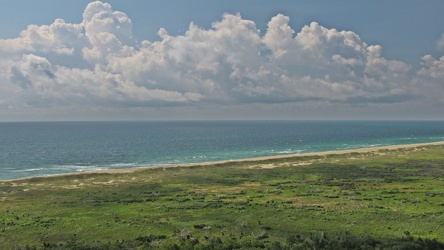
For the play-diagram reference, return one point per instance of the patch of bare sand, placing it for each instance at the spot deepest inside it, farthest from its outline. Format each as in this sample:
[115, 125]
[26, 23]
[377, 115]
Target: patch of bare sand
[272, 165]
[266, 166]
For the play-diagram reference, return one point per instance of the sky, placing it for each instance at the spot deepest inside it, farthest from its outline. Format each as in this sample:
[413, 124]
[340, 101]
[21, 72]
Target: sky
[205, 60]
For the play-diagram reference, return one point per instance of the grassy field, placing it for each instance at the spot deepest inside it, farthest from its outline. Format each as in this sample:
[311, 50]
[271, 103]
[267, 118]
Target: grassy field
[381, 198]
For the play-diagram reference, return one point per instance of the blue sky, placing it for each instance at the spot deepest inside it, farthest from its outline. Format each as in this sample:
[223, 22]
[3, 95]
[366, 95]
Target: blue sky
[239, 60]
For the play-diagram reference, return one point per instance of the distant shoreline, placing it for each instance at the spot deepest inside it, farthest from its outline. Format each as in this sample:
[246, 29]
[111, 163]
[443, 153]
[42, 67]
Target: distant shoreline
[255, 159]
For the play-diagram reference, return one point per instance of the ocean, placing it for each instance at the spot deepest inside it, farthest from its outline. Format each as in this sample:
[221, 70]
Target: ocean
[29, 149]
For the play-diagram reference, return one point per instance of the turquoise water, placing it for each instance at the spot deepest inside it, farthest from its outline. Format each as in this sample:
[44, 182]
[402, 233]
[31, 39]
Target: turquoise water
[48, 148]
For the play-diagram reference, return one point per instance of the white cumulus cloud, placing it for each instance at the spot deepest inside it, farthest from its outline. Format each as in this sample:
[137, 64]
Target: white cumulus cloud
[433, 68]
[98, 62]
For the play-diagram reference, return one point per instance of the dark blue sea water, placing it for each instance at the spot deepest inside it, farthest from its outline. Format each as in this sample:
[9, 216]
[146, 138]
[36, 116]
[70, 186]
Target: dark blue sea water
[46, 148]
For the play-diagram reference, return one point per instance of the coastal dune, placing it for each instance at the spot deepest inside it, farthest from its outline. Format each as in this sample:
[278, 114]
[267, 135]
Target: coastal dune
[256, 160]
[275, 157]
[392, 194]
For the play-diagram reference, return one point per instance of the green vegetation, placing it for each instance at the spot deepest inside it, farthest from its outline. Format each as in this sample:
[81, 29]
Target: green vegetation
[387, 199]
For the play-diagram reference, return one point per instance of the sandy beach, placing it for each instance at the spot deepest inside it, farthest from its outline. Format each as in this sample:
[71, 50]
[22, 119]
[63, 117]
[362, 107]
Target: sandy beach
[257, 159]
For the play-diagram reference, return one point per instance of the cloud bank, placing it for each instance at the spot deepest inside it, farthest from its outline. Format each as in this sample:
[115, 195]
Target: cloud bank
[98, 63]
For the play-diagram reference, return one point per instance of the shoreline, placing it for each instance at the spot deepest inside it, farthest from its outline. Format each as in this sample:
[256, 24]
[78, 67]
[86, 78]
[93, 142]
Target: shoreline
[255, 159]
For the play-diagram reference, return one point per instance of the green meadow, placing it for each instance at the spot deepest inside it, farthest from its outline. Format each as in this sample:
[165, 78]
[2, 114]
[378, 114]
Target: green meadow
[386, 199]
